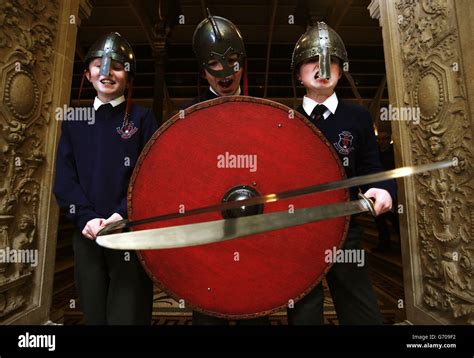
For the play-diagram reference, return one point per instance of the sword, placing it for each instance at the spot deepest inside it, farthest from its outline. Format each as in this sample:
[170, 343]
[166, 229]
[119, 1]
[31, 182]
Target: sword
[318, 188]
[227, 229]
[221, 230]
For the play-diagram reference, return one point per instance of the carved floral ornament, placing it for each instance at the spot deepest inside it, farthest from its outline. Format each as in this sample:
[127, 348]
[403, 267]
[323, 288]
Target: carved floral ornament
[444, 209]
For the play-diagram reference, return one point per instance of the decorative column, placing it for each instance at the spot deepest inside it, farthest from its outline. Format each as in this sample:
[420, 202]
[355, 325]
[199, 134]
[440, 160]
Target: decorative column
[37, 43]
[428, 56]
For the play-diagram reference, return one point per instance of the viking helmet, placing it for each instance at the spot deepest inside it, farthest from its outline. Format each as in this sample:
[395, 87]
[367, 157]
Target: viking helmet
[322, 41]
[112, 47]
[216, 38]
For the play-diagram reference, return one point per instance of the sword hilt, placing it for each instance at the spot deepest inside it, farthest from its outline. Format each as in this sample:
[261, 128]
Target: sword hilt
[368, 203]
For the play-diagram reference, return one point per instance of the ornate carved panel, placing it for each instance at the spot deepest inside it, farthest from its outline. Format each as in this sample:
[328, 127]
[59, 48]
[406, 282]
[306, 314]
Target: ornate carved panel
[37, 41]
[434, 83]
[27, 37]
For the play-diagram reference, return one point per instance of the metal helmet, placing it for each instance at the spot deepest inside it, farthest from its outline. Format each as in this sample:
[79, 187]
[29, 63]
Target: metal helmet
[112, 47]
[216, 38]
[320, 40]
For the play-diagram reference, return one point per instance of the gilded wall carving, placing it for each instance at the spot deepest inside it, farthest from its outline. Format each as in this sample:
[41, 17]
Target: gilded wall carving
[432, 72]
[27, 38]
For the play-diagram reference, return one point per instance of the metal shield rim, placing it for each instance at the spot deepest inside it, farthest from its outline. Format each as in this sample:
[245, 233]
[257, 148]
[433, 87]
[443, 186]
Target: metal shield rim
[210, 103]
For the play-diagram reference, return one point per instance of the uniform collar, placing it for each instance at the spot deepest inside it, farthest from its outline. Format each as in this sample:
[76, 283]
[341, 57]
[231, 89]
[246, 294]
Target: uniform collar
[237, 93]
[115, 102]
[331, 104]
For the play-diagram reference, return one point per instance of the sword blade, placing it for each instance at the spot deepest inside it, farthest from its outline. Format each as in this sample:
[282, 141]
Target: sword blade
[318, 188]
[227, 229]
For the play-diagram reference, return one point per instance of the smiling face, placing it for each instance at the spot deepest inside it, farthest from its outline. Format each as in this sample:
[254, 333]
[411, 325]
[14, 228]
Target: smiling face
[111, 86]
[308, 74]
[225, 86]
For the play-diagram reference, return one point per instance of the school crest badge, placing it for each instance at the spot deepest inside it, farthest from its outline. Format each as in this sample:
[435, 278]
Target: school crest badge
[127, 130]
[344, 145]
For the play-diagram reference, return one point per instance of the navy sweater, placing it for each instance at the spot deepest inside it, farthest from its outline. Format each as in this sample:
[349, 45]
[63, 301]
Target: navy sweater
[94, 162]
[207, 95]
[351, 133]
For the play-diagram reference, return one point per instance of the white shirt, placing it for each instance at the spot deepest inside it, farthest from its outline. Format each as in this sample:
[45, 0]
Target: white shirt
[115, 102]
[331, 104]
[237, 93]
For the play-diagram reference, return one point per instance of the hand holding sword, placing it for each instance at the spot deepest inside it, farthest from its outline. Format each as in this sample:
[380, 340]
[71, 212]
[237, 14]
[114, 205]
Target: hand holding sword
[226, 229]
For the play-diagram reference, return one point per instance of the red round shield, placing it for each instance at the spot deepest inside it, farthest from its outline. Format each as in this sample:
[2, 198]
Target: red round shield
[193, 161]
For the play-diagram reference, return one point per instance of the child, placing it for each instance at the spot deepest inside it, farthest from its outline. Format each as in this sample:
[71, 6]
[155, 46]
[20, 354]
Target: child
[317, 62]
[220, 51]
[95, 160]
[221, 68]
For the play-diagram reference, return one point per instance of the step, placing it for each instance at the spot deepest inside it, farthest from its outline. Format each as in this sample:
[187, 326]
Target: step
[63, 264]
[391, 262]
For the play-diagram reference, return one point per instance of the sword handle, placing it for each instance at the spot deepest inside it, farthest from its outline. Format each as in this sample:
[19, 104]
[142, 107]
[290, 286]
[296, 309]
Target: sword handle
[368, 203]
[113, 228]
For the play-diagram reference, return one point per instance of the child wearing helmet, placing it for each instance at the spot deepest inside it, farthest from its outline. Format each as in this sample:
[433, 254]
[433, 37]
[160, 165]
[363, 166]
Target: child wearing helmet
[318, 61]
[94, 162]
[220, 51]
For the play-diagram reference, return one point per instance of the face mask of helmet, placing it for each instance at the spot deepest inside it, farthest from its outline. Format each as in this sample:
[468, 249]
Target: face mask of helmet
[218, 39]
[321, 41]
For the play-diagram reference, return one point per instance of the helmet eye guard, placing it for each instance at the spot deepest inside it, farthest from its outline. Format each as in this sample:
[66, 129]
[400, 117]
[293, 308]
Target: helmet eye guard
[223, 65]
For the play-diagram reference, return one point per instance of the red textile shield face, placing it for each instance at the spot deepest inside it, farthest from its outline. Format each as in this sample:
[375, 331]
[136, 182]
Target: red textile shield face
[193, 161]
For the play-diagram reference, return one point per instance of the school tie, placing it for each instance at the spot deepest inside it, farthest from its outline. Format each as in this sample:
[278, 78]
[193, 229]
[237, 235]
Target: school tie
[318, 112]
[106, 107]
